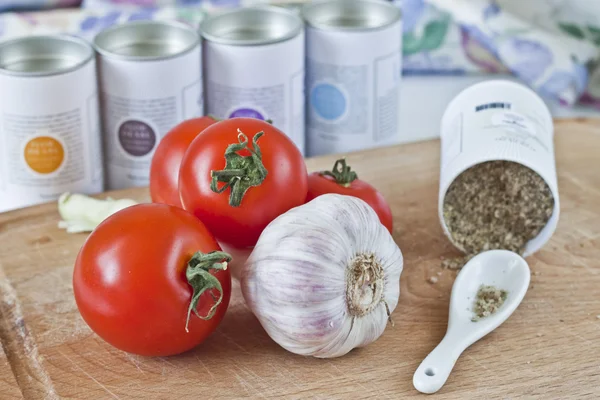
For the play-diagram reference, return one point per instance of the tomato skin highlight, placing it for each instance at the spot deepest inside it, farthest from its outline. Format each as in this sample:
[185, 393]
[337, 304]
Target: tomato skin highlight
[130, 285]
[166, 161]
[319, 185]
[284, 187]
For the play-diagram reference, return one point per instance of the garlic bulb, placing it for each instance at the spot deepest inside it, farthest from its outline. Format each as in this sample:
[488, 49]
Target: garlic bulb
[324, 277]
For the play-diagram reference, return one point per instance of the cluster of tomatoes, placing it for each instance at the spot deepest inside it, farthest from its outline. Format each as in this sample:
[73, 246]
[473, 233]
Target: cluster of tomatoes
[152, 278]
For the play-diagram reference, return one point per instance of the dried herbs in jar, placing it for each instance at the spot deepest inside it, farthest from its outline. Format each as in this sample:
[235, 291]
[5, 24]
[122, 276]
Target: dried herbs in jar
[495, 205]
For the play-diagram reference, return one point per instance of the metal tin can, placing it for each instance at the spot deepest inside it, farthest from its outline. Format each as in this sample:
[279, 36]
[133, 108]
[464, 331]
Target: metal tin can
[49, 121]
[254, 67]
[518, 127]
[150, 80]
[353, 69]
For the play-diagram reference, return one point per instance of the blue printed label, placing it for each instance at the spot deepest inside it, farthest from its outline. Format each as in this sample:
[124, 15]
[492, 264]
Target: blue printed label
[328, 101]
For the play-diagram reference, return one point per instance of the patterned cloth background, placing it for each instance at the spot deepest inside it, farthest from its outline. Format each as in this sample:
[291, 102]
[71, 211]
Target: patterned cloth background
[36, 4]
[549, 44]
[552, 45]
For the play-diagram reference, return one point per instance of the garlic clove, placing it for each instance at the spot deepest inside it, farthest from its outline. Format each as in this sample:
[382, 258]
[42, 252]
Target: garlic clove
[81, 213]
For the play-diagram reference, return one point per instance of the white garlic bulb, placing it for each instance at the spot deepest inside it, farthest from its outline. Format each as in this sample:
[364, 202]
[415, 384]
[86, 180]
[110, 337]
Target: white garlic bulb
[324, 277]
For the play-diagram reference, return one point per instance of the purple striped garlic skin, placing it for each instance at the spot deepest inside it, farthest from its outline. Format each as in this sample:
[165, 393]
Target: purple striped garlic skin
[324, 277]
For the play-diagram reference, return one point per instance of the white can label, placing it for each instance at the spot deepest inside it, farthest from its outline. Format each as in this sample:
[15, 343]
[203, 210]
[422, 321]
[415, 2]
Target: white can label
[142, 101]
[263, 82]
[338, 94]
[50, 137]
[353, 81]
[513, 122]
[518, 133]
[248, 102]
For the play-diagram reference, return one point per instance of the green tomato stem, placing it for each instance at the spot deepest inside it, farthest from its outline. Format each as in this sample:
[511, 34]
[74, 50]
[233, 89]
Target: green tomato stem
[341, 173]
[200, 279]
[240, 172]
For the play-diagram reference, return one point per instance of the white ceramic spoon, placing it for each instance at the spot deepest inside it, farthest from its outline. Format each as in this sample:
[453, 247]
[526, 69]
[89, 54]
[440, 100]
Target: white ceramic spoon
[500, 268]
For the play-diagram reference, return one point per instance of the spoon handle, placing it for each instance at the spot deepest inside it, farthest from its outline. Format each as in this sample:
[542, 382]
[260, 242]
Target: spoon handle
[436, 367]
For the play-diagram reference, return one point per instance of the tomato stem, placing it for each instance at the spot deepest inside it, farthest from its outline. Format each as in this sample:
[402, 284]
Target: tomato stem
[341, 173]
[225, 175]
[240, 172]
[200, 279]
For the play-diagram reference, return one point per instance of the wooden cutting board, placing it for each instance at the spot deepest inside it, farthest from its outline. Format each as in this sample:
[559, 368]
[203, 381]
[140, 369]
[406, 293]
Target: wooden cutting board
[550, 347]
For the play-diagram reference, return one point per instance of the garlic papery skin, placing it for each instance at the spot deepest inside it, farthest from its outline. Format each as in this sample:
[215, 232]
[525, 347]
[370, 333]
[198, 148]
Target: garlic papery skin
[324, 277]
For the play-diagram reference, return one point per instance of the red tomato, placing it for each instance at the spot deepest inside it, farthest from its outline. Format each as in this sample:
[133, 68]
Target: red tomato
[237, 181]
[342, 180]
[164, 170]
[131, 286]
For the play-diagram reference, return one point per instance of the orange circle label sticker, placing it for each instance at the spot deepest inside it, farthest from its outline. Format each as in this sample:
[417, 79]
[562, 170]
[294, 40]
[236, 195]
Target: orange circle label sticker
[44, 154]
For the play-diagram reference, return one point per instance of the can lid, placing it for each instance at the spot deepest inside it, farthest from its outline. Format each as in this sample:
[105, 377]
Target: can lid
[43, 55]
[146, 40]
[351, 15]
[252, 26]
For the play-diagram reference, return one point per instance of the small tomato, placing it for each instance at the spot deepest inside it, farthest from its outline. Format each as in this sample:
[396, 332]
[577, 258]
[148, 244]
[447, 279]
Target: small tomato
[164, 169]
[342, 180]
[238, 176]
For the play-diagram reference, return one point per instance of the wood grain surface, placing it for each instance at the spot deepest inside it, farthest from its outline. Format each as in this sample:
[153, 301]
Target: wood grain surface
[9, 389]
[549, 349]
